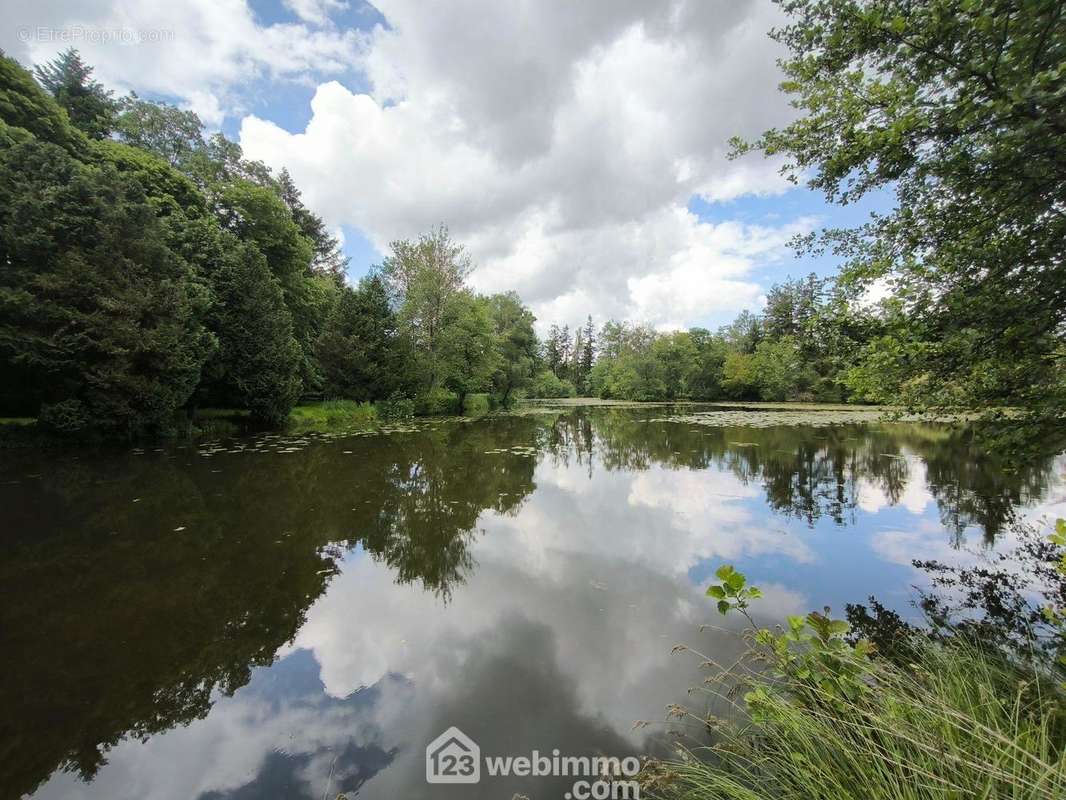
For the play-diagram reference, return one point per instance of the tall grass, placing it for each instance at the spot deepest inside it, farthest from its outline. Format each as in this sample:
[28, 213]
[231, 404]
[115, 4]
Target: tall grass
[949, 720]
[331, 415]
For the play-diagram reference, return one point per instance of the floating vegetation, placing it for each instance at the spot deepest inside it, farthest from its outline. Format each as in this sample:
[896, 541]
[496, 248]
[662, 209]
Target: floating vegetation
[768, 418]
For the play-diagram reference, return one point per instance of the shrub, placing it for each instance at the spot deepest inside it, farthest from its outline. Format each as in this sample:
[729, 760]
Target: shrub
[395, 408]
[66, 416]
[332, 414]
[437, 402]
[546, 384]
[822, 719]
[475, 405]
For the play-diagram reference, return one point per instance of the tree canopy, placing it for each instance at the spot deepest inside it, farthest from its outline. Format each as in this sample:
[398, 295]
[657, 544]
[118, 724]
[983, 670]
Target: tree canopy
[956, 108]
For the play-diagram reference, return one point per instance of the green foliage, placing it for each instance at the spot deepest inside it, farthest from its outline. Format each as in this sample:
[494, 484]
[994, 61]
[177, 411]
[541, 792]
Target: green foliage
[547, 384]
[327, 257]
[823, 718]
[424, 279]
[572, 358]
[957, 108]
[1056, 615]
[778, 369]
[437, 402]
[744, 333]
[168, 190]
[775, 357]
[161, 268]
[23, 104]
[705, 375]
[332, 415]
[171, 133]
[955, 721]
[95, 307]
[395, 408]
[257, 214]
[739, 379]
[467, 357]
[258, 361]
[516, 344]
[90, 106]
[476, 405]
[733, 592]
[361, 352]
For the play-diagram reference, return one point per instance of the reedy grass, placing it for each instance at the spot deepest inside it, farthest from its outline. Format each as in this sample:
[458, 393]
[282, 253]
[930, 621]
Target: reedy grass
[954, 721]
[331, 415]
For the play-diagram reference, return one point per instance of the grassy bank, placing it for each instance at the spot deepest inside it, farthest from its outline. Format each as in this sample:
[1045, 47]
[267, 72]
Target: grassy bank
[813, 716]
[331, 415]
[324, 416]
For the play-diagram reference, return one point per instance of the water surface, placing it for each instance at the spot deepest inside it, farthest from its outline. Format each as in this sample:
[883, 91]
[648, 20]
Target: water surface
[297, 617]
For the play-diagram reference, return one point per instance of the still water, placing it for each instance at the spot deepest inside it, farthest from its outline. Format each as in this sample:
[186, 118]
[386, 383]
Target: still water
[298, 616]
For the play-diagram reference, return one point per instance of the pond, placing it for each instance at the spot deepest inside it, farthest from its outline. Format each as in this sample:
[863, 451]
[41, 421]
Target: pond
[299, 616]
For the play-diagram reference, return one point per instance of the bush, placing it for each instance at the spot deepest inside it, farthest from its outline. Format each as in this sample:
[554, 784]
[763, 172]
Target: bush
[475, 405]
[395, 408]
[437, 402]
[332, 414]
[66, 416]
[821, 719]
[547, 384]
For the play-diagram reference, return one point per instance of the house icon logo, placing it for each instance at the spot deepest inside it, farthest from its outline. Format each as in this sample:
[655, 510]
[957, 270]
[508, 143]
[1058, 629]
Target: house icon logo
[453, 757]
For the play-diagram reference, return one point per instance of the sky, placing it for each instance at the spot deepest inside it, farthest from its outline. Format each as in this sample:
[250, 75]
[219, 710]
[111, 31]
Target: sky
[578, 150]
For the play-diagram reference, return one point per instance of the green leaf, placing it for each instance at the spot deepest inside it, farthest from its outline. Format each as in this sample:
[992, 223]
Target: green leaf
[724, 571]
[723, 606]
[839, 627]
[736, 581]
[716, 591]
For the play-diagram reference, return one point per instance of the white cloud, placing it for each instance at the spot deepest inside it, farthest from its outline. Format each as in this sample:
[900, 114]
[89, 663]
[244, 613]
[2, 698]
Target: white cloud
[915, 496]
[316, 12]
[562, 144]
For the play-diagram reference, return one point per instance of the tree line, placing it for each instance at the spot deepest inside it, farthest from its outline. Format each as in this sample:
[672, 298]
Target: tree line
[150, 270]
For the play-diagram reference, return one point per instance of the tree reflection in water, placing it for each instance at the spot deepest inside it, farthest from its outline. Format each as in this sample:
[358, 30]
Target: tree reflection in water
[137, 587]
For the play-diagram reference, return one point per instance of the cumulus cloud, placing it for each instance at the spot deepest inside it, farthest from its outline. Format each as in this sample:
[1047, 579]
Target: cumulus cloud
[562, 143]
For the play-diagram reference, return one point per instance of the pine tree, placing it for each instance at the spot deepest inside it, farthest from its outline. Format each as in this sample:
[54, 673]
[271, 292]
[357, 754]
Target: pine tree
[328, 258]
[101, 314]
[89, 105]
[577, 376]
[258, 363]
[553, 356]
[565, 346]
[361, 351]
[588, 352]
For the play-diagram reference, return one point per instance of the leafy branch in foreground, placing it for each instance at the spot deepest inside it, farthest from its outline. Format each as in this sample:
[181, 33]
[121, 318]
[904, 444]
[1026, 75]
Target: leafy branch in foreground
[820, 717]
